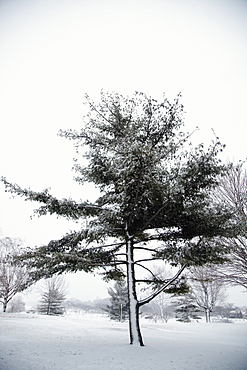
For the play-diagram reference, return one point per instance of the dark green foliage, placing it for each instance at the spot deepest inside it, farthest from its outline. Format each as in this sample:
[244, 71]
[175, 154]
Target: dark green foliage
[159, 279]
[137, 155]
[180, 286]
[118, 308]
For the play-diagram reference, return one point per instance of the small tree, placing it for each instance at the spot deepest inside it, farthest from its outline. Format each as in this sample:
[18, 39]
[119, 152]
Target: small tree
[161, 308]
[13, 278]
[53, 296]
[16, 305]
[119, 306]
[154, 199]
[206, 290]
[186, 309]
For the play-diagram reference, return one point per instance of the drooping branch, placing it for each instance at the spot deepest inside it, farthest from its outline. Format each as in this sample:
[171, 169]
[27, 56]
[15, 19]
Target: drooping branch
[64, 207]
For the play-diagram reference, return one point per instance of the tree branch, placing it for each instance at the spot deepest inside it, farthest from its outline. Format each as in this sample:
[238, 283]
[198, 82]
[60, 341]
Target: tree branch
[152, 296]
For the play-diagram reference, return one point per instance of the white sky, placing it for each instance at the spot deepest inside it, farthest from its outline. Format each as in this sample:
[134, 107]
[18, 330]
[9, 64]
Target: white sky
[55, 51]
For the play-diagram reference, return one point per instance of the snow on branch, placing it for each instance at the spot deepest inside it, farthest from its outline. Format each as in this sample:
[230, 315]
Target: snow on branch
[169, 282]
[64, 207]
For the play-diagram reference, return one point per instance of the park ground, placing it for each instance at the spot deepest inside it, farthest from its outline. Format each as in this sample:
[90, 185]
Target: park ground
[85, 342]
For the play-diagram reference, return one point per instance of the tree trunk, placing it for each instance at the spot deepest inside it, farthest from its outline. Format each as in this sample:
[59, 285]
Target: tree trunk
[134, 324]
[5, 302]
[208, 315]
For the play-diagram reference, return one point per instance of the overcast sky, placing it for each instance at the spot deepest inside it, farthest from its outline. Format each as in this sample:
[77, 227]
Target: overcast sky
[55, 51]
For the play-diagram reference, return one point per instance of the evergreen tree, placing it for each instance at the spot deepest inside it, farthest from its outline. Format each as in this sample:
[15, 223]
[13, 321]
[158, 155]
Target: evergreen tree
[119, 305]
[186, 309]
[154, 201]
[52, 297]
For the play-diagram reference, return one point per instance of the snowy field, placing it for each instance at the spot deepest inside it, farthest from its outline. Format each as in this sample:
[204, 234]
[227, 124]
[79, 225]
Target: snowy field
[34, 342]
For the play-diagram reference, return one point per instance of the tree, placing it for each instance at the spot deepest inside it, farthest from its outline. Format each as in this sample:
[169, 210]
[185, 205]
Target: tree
[119, 305]
[161, 308]
[186, 308]
[154, 198]
[232, 191]
[227, 311]
[53, 296]
[16, 305]
[13, 278]
[206, 290]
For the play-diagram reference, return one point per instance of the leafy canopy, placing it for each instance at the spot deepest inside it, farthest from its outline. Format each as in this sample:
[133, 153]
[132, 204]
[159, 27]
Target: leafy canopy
[154, 187]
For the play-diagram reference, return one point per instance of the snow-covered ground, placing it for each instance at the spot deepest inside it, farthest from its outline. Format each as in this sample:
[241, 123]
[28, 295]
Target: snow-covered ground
[84, 342]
